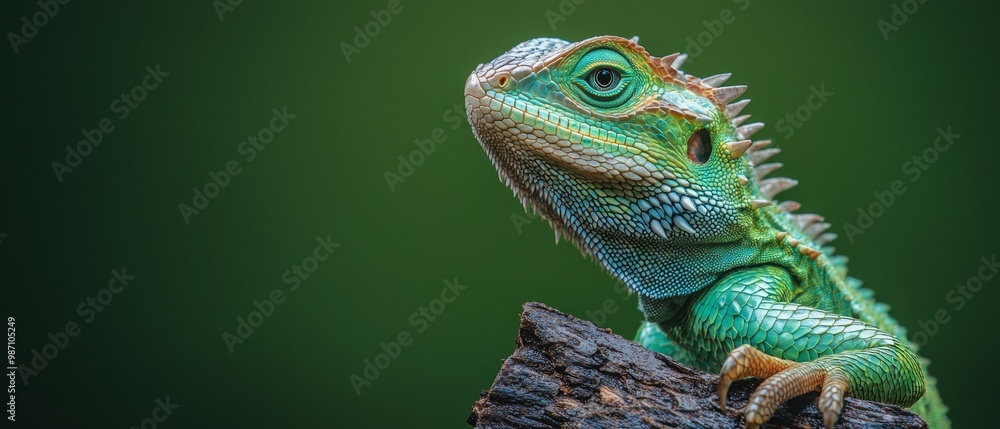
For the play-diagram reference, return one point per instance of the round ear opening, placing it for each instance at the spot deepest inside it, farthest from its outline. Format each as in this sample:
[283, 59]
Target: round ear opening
[699, 146]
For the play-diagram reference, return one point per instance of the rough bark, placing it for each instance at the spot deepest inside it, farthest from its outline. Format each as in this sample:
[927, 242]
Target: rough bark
[567, 372]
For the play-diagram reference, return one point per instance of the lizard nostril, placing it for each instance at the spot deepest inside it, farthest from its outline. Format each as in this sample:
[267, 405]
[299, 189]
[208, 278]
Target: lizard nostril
[500, 81]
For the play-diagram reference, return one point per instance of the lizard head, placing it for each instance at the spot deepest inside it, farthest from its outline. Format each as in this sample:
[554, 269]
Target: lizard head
[620, 151]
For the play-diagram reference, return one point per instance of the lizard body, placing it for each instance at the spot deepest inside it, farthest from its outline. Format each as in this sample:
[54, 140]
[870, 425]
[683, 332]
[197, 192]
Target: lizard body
[651, 172]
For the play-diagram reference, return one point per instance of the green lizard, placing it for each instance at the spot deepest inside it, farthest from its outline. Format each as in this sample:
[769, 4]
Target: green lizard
[650, 171]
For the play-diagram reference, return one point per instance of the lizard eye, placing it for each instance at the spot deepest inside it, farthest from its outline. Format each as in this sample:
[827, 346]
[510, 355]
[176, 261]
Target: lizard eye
[604, 78]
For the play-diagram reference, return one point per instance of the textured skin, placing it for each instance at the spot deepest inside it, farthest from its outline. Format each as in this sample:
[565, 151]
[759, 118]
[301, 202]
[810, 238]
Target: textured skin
[650, 171]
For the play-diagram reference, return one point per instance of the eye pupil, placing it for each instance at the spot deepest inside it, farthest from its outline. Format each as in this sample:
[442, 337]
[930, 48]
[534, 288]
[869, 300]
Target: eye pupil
[605, 78]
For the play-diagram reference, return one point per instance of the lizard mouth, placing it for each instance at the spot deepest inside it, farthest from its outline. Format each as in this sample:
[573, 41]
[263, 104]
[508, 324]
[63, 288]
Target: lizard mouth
[503, 121]
[519, 132]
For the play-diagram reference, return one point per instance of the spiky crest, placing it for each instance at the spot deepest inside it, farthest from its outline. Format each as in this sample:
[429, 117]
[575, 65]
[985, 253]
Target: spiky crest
[726, 98]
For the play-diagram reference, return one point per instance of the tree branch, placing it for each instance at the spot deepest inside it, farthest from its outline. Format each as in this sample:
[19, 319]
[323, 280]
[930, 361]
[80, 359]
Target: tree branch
[566, 372]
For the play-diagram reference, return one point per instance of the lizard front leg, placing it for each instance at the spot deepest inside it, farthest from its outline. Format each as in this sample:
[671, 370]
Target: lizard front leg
[746, 325]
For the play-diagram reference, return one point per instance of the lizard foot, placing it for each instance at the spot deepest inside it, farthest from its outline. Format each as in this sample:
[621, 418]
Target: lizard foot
[783, 380]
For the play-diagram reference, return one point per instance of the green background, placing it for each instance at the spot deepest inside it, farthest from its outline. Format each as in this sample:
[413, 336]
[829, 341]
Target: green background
[324, 175]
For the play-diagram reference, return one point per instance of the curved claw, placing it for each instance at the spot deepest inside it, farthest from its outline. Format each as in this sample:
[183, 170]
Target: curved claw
[746, 361]
[831, 399]
[783, 380]
[774, 391]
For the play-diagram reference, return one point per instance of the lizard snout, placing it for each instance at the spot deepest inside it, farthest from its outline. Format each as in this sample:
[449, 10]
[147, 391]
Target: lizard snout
[474, 87]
